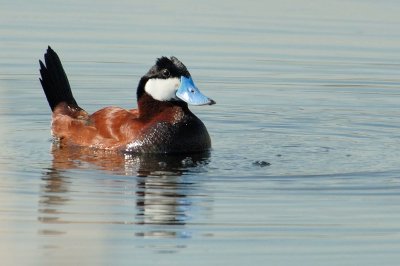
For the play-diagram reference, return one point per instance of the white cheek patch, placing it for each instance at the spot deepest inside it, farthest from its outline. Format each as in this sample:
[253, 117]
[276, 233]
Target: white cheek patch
[162, 89]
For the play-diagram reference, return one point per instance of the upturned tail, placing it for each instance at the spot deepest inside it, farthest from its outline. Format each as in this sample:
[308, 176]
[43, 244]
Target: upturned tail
[55, 82]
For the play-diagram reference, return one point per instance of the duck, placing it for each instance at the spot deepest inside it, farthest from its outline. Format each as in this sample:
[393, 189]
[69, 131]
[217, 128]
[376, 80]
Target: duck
[161, 124]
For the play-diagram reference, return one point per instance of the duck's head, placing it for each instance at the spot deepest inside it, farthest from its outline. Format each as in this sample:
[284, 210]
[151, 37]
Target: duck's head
[170, 81]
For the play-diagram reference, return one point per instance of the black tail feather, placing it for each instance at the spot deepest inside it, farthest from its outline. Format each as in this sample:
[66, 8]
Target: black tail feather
[54, 81]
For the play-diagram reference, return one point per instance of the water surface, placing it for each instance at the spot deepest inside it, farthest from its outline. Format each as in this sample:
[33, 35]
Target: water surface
[305, 162]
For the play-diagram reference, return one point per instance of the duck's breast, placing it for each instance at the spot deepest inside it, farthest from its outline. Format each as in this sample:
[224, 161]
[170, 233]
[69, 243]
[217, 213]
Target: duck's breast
[185, 136]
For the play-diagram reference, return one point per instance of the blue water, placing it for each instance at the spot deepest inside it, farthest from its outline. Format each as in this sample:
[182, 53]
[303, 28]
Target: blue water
[306, 145]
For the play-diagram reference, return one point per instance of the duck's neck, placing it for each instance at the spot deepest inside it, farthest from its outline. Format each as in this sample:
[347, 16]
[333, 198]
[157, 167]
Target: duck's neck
[149, 108]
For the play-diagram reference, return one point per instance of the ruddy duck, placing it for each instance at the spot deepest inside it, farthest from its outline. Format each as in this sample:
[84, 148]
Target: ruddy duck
[162, 123]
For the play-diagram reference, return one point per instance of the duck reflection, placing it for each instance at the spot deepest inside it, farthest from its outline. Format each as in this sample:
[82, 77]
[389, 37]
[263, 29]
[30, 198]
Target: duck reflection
[162, 196]
[142, 165]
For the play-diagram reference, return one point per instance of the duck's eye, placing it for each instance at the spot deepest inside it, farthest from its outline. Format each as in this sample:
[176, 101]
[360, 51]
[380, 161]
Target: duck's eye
[166, 73]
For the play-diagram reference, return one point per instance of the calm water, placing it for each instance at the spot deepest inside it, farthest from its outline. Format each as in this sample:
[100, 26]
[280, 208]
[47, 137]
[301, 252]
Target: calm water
[306, 135]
